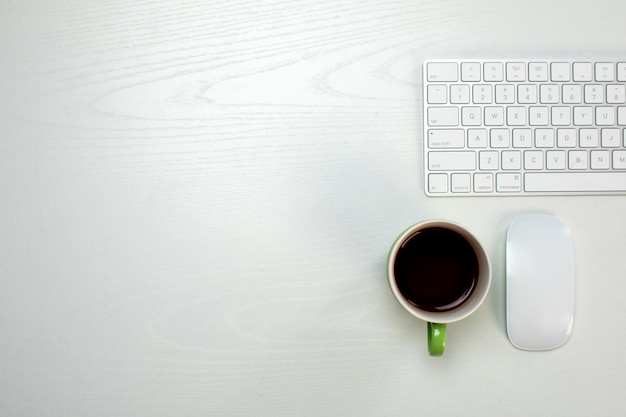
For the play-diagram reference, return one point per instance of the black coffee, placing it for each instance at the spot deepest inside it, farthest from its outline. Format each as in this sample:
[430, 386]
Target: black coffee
[436, 269]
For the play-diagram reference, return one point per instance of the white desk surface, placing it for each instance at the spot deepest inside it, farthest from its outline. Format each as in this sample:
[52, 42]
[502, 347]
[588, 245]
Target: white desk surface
[198, 199]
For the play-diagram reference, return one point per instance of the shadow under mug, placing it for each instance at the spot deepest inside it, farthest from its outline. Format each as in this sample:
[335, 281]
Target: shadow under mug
[440, 273]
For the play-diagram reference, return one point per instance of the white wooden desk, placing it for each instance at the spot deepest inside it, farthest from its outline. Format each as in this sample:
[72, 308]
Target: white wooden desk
[198, 199]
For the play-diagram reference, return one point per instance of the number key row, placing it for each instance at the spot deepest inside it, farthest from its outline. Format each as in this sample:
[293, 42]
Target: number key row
[526, 93]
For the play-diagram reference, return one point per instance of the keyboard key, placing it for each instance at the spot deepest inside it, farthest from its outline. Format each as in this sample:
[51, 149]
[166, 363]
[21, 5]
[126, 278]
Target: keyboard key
[505, 94]
[500, 138]
[568, 182]
[511, 160]
[483, 183]
[477, 138]
[494, 116]
[619, 159]
[588, 138]
[482, 93]
[533, 160]
[443, 116]
[538, 71]
[616, 93]
[442, 71]
[508, 183]
[605, 116]
[544, 138]
[600, 160]
[459, 94]
[583, 116]
[621, 71]
[605, 71]
[594, 94]
[516, 116]
[437, 94]
[583, 71]
[472, 116]
[611, 138]
[460, 183]
[494, 71]
[527, 94]
[549, 93]
[539, 116]
[572, 93]
[560, 71]
[446, 138]
[515, 71]
[556, 160]
[470, 71]
[438, 183]
[577, 160]
[452, 161]
[522, 138]
[621, 116]
[489, 160]
[561, 116]
[566, 138]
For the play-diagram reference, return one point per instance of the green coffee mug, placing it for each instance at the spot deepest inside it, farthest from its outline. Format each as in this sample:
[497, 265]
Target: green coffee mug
[440, 273]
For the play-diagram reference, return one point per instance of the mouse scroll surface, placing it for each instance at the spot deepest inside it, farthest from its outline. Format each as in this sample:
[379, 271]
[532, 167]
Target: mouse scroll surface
[539, 282]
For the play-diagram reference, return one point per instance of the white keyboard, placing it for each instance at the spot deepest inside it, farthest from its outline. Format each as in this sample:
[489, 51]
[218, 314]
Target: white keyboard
[524, 127]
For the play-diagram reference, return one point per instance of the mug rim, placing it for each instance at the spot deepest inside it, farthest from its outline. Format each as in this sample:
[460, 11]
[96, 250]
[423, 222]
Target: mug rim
[475, 299]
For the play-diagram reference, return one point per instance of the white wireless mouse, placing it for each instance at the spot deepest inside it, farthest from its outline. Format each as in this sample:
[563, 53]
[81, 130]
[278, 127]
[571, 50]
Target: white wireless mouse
[539, 282]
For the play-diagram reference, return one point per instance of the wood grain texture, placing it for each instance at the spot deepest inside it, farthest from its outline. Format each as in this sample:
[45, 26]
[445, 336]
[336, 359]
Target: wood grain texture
[198, 199]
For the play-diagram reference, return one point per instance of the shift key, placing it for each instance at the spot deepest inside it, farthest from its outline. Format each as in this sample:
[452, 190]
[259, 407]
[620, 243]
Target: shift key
[443, 116]
[452, 161]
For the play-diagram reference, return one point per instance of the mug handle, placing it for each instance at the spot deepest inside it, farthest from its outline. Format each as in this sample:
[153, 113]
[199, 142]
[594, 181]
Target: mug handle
[436, 338]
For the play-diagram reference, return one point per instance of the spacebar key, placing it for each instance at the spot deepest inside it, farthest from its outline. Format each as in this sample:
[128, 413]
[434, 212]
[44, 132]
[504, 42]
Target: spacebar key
[575, 181]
